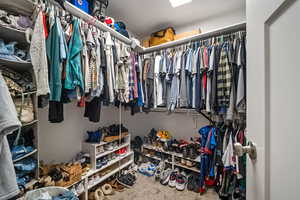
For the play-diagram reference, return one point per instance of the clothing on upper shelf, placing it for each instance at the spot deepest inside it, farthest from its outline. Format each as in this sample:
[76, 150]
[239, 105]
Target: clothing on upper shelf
[8, 123]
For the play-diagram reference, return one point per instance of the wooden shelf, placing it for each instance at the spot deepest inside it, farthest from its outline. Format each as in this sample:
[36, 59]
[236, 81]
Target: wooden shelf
[10, 34]
[18, 7]
[114, 150]
[171, 153]
[16, 65]
[30, 123]
[186, 167]
[110, 163]
[103, 178]
[25, 156]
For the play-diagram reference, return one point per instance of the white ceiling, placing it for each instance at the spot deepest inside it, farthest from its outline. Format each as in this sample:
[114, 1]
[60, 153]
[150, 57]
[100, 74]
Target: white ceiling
[143, 17]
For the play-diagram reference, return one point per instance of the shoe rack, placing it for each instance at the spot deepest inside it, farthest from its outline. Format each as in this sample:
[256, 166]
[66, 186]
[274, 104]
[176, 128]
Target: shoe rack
[175, 158]
[9, 34]
[110, 148]
[102, 149]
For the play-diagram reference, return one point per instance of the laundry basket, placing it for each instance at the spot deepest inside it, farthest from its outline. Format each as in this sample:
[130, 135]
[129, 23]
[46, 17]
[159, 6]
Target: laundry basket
[53, 191]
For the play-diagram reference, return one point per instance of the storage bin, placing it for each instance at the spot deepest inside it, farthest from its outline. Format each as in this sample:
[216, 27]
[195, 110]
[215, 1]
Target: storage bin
[53, 191]
[82, 4]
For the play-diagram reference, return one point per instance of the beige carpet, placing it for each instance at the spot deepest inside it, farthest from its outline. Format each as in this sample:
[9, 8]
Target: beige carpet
[147, 189]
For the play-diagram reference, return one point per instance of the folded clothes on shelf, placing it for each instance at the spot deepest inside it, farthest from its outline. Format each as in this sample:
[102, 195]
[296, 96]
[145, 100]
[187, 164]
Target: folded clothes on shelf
[11, 52]
[20, 151]
[17, 82]
[17, 22]
[25, 166]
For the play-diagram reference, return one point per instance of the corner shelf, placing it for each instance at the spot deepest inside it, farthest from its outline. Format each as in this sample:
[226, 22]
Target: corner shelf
[91, 149]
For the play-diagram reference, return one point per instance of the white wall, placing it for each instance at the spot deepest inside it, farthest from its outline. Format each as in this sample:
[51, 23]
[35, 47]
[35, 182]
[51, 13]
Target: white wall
[215, 22]
[60, 142]
[212, 23]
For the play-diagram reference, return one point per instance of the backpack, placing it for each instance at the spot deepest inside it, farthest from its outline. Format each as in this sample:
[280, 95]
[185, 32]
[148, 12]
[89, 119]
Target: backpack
[98, 9]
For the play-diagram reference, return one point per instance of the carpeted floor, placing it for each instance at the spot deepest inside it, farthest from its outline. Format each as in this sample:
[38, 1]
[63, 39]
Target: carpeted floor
[147, 189]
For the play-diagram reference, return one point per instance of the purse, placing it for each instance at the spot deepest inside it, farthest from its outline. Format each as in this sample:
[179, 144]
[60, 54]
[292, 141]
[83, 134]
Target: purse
[24, 109]
[162, 36]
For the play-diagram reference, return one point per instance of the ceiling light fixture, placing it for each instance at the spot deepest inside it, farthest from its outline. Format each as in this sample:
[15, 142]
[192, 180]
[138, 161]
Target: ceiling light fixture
[177, 3]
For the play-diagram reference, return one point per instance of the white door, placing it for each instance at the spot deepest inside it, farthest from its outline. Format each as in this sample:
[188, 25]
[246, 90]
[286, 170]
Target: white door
[273, 93]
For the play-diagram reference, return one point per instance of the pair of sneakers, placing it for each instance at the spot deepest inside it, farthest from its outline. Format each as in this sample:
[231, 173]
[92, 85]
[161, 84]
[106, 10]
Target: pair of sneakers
[147, 169]
[160, 168]
[193, 183]
[178, 180]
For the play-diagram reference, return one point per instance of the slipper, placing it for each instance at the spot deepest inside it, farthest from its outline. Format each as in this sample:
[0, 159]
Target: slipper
[107, 189]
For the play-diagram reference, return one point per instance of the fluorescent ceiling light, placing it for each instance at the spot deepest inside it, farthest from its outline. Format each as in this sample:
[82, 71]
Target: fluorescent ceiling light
[177, 3]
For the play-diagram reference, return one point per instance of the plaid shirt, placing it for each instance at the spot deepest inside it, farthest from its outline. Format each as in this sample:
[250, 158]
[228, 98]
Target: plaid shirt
[131, 77]
[224, 78]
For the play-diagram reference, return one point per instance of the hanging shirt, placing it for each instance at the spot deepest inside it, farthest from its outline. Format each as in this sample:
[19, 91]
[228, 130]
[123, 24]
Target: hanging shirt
[57, 53]
[209, 79]
[73, 66]
[8, 123]
[228, 156]
[158, 89]
[183, 83]
[241, 87]
[39, 56]
[224, 79]
[98, 76]
[110, 67]
[85, 59]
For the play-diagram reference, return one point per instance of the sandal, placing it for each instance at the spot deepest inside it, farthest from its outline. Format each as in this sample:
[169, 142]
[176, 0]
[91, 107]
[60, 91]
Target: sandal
[116, 186]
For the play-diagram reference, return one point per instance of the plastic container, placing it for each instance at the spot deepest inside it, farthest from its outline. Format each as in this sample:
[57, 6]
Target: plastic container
[53, 191]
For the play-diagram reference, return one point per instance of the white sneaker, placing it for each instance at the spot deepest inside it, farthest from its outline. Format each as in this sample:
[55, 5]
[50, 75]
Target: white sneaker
[73, 190]
[160, 168]
[79, 188]
[173, 177]
[165, 176]
[181, 181]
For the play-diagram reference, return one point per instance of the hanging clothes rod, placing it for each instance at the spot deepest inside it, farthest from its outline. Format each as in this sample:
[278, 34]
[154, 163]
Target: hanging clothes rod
[92, 20]
[201, 36]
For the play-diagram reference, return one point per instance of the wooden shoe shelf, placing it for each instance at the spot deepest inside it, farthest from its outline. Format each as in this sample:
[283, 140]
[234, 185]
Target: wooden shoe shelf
[174, 156]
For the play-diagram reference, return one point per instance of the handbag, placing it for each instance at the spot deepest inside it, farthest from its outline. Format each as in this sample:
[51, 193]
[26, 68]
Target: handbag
[162, 36]
[98, 9]
[24, 109]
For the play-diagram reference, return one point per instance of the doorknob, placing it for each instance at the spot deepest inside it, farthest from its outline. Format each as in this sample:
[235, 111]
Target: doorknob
[240, 150]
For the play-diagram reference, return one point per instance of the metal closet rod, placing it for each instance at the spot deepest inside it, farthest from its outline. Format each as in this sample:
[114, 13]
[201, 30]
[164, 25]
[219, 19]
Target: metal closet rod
[92, 20]
[201, 36]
